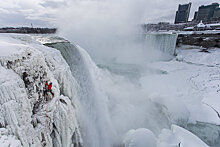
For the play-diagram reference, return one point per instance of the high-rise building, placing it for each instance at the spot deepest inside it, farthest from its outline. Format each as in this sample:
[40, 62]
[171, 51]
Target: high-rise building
[206, 13]
[217, 14]
[195, 15]
[182, 15]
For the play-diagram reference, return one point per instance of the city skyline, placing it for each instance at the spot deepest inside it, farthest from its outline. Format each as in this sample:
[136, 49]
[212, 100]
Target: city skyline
[46, 12]
[205, 13]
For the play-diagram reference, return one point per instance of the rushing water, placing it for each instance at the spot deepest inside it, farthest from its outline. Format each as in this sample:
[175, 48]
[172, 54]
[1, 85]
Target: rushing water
[163, 42]
[111, 98]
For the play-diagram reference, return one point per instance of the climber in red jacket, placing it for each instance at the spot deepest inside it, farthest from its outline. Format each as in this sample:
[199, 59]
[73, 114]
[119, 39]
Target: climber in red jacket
[49, 88]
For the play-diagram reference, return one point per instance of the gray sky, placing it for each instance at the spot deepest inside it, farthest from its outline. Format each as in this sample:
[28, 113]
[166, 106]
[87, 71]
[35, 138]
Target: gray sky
[45, 12]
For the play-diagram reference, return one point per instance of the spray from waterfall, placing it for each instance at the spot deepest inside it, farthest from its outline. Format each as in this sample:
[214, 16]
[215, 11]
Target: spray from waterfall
[108, 29]
[111, 103]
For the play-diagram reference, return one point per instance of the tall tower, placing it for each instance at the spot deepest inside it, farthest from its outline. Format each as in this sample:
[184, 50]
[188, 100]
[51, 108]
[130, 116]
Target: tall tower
[206, 13]
[182, 15]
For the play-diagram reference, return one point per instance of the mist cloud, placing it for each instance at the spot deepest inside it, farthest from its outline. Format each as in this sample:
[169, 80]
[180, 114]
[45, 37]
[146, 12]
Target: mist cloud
[104, 28]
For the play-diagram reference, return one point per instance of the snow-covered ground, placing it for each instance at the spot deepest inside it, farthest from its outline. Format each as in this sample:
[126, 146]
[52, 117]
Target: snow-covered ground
[190, 91]
[191, 78]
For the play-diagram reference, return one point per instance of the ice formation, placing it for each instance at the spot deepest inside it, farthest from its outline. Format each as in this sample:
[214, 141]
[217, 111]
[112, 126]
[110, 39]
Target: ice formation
[27, 114]
[179, 137]
[139, 138]
[175, 137]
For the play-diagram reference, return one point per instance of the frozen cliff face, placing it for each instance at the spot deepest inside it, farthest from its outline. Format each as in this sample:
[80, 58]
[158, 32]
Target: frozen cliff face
[30, 116]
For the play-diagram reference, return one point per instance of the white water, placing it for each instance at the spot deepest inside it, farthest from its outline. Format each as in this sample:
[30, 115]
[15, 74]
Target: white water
[163, 42]
[112, 100]
[93, 115]
[117, 97]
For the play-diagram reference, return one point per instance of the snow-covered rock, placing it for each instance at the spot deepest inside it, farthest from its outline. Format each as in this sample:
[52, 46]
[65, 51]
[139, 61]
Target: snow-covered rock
[140, 138]
[7, 140]
[32, 117]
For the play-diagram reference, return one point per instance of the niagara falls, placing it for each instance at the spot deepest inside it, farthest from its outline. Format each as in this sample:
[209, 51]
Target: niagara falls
[109, 73]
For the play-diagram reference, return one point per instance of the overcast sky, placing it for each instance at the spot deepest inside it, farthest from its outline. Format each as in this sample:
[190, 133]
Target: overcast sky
[44, 12]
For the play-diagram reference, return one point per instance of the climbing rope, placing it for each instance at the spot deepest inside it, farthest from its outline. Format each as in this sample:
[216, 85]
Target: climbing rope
[45, 127]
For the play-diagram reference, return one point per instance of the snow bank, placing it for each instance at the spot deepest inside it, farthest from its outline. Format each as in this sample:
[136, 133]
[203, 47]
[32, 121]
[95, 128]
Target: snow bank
[179, 137]
[7, 140]
[199, 57]
[176, 137]
[189, 91]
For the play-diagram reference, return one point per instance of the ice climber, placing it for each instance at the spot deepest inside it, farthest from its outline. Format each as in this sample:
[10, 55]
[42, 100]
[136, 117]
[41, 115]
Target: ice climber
[49, 88]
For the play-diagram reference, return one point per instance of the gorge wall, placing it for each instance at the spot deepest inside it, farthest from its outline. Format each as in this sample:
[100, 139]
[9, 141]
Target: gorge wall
[202, 40]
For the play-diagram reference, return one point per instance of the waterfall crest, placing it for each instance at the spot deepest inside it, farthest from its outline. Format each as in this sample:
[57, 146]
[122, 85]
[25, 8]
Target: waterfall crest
[163, 42]
[95, 124]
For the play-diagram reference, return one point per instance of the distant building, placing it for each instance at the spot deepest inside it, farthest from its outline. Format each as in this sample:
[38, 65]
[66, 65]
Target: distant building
[182, 15]
[201, 25]
[217, 14]
[195, 16]
[206, 13]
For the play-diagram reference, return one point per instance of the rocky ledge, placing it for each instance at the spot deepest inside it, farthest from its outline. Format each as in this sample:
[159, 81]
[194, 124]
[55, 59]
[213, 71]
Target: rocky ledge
[202, 40]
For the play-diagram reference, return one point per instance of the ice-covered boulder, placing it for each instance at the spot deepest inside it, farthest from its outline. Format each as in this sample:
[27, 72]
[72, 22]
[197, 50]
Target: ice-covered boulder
[140, 138]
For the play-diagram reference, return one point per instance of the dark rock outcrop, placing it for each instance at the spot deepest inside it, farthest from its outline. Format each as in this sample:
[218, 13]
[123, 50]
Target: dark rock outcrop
[203, 40]
[28, 30]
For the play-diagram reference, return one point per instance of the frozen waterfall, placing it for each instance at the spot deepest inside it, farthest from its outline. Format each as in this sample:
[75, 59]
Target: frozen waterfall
[164, 42]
